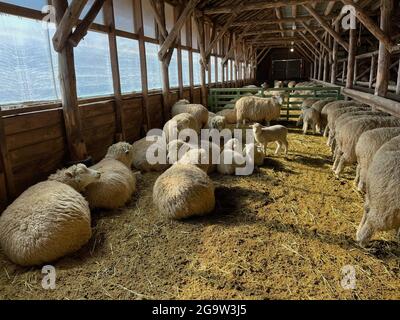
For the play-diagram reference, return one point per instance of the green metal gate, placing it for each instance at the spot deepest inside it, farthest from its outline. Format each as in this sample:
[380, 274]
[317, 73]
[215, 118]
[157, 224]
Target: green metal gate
[225, 98]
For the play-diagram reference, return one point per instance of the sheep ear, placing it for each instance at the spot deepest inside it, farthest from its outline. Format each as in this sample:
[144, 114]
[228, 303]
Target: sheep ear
[69, 174]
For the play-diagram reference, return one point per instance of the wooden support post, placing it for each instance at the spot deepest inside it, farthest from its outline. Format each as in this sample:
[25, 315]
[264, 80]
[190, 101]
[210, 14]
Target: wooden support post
[398, 80]
[372, 71]
[199, 23]
[326, 67]
[334, 56]
[177, 13]
[382, 78]
[344, 71]
[315, 68]
[69, 97]
[112, 39]
[5, 164]
[320, 67]
[351, 60]
[142, 54]
[66, 22]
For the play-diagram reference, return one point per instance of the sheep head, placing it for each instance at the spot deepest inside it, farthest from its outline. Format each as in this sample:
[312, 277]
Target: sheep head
[121, 151]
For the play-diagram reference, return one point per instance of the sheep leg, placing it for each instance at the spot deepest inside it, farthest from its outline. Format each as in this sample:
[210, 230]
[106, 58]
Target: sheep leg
[365, 231]
[334, 144]
[357, 178]
[286, 146]
[336, 162]
[265, 149]
[305, 127]
[340, 166]
[326, 131]
[314, 128]
[318, 127]
[328, 143]
[279, 146]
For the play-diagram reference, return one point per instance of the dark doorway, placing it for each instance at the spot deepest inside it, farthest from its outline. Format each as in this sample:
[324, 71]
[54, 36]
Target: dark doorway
[286, 69]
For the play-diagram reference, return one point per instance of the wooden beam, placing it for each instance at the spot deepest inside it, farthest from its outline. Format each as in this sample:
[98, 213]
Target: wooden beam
[169, 41]
[83, 27]
[371, 25]
[344, 71]
[329, 8]
[5, 163]
[309, 42]
[254, 23]
[69, 98]
[383, 73]
[398, 80]
[303, 53]
[334, 68]
[372, 71]
[112, 40]
[259, 6]
[326, 26]
[326, 68]
[351, 58]
[320, 67]
[310, 31]
[200, 25]
[66, 23]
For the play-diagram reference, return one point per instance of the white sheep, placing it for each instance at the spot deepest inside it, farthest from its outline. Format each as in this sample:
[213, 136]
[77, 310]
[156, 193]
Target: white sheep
[255, 153]
[50, 219]
[232, 144]
[139, 152]
[197, 157]
[183, 191]
[311, 117]
[176, 150]
[258, 109]
[178, 123]
[216, 122]
[291, 84]
[265, 135]
[198, 111]
[307, 103]
[348, 137]
[117, 183]
[367, 145]
[382, 203]
[230, 160]
[229, 115]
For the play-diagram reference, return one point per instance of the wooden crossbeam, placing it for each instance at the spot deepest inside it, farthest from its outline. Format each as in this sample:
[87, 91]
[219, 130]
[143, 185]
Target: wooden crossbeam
[371, 25]
[83, 27]
[329, 8]
[169, 41]
[68, 21]
[326, 26]
[260, 6]
[310, 31]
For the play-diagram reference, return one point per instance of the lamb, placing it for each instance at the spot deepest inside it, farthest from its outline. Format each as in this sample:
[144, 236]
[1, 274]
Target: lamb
[184, 191]
[350, 133]
[50, 219]
[216, 122]
[265, 135]
[139, 152]
[382, 204]
[179, 123]
[255, 152]
[198, 111]
[258, 109]
[368, 144]
[311, 117]
[229, 115]
[117, 183]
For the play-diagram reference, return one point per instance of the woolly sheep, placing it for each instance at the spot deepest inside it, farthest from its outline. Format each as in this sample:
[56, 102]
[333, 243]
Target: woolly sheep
[178, 123]
[229, 161]
[258, 109]
[176, 149]
[291, 84]
[197, 157]
[367, 145]
[117, 182]
[347, 138]
[139, 152]
[49, 220]
[232, 144]
[198, 111]
[183, 191]
[311, 117]
[265, 135]
[215, 122]
[255, 152]
[229, 114]
[320, 104]
[382, 205]
[307, 103]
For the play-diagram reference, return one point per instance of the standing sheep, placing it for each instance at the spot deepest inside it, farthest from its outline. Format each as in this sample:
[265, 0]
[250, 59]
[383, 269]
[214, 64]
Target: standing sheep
[265, 135]
[368, 144]
[382, 205]
[350, 133]
[258, 109]
[184, 191]
[117, 182]
[198, 111]
[49, 220]
[311, 117]
[139, 152]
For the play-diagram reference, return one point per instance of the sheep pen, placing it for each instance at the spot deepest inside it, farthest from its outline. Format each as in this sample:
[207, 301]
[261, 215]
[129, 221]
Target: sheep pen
[269, 237]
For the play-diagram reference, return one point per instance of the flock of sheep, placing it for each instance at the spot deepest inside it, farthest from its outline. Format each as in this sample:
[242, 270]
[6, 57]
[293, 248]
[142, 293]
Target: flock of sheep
[359, 134]
[53, 218]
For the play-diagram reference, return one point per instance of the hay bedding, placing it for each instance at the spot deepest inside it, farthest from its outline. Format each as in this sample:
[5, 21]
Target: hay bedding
[284, 232]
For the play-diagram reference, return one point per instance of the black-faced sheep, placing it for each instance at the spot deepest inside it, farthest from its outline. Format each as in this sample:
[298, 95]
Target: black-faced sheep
[117, 182]
[198, 111]
[265, 135]
[183, 191]
[382, 203]
[50, 219]
[368, 144]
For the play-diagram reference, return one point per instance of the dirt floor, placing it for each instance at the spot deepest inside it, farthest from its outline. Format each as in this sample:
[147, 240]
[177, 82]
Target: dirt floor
[283, 233]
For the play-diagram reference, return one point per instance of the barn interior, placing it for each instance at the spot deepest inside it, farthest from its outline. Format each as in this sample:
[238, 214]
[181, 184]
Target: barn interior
[78, 76]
